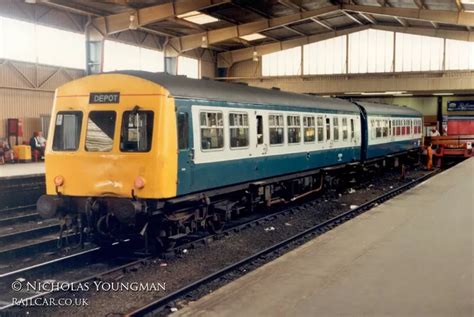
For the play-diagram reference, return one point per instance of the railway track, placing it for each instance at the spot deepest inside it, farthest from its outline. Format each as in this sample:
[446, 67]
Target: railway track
[271, 252]
[76, 261]
[30, 233]
[20, 193]
[21, 218]
[70, 263]
[76, 268]
[23, 229]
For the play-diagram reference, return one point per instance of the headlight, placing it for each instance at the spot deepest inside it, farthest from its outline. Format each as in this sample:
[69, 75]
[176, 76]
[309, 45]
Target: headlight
[139, 182]
[58, 180]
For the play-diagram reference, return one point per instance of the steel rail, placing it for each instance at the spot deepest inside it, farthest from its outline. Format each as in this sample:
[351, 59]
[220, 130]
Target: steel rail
[73, 261]
[29, 234]
[11, 212]
[19, 219]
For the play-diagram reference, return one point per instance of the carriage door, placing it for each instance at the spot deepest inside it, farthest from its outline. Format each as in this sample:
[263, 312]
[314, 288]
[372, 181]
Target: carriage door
[185, 150]
[260, 136]
[391, 129]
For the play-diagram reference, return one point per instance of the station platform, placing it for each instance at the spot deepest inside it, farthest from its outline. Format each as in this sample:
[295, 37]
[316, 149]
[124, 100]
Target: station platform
[21, 169]
[411, 256]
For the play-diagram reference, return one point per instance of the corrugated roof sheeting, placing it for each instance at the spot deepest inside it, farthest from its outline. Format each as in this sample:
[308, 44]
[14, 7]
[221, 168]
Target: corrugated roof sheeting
[26, 105]
[27, 92]
[42, 15]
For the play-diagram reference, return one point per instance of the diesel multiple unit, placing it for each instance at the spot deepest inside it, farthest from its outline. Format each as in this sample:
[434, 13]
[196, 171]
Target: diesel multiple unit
[137, 152]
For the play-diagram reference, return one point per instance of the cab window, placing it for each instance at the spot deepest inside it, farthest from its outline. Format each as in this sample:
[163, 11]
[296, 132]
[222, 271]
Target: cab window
[100, 131]
[137, 130]
[67, 131]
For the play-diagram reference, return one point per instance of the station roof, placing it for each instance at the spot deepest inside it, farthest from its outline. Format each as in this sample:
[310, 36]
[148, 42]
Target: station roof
[232, 25]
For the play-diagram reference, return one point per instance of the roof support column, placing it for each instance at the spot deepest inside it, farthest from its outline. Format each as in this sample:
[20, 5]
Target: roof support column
[171, 58]
[94, 49]
[171, 65]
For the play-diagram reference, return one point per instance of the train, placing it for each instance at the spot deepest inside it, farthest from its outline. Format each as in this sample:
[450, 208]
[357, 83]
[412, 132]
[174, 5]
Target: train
[134, 153]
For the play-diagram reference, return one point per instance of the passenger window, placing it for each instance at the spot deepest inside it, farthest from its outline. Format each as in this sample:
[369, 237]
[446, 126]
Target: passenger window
[409, 127]
[136, 133]
[239, 130]
[212, 130]
[335, 126]
[345, 133]
[378, 129]
[320, 129]
[372, 123]
[100, 131]
[294, 129]
[352, 129]
[384, 129]
[276, 126]
[389, 127]
[67, 131]
[259, 130]
[328, 129]
[309, 129]
[183, 130]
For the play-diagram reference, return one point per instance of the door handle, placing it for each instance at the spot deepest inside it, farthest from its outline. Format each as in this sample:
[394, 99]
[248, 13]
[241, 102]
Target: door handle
[191, 155]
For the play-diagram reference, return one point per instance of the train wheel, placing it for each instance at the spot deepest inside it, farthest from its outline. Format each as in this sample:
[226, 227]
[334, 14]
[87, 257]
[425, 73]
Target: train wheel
[215, 224]
[165, 244]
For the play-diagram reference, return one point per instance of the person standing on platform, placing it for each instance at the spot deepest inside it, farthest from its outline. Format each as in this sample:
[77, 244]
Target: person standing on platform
[429, 154]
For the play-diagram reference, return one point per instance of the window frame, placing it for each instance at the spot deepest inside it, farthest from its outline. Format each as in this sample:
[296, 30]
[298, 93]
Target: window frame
[345, 128]
[288, 127]
[87, 130]
[276, 127]
[378, 129]
[335, 127]
[81, 118]
[328, 128]
[151, 134]
[352, 129]
[322, 140]
[237, 127]
[207, 127]
[309, 127]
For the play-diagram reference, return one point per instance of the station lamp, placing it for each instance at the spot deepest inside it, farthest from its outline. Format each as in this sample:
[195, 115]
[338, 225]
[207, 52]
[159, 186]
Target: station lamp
[133, 22]
[255, 56]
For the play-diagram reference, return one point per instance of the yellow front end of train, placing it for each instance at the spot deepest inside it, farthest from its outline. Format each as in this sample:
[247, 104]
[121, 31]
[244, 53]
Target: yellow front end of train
[112, 135]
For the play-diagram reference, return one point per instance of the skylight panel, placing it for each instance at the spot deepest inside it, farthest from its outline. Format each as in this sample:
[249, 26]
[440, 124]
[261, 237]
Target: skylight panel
[252, 37]
[198, 17]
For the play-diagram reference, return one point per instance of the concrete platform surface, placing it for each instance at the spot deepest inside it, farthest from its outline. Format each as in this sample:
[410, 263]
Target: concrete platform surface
[411, 256]
[21, 169]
